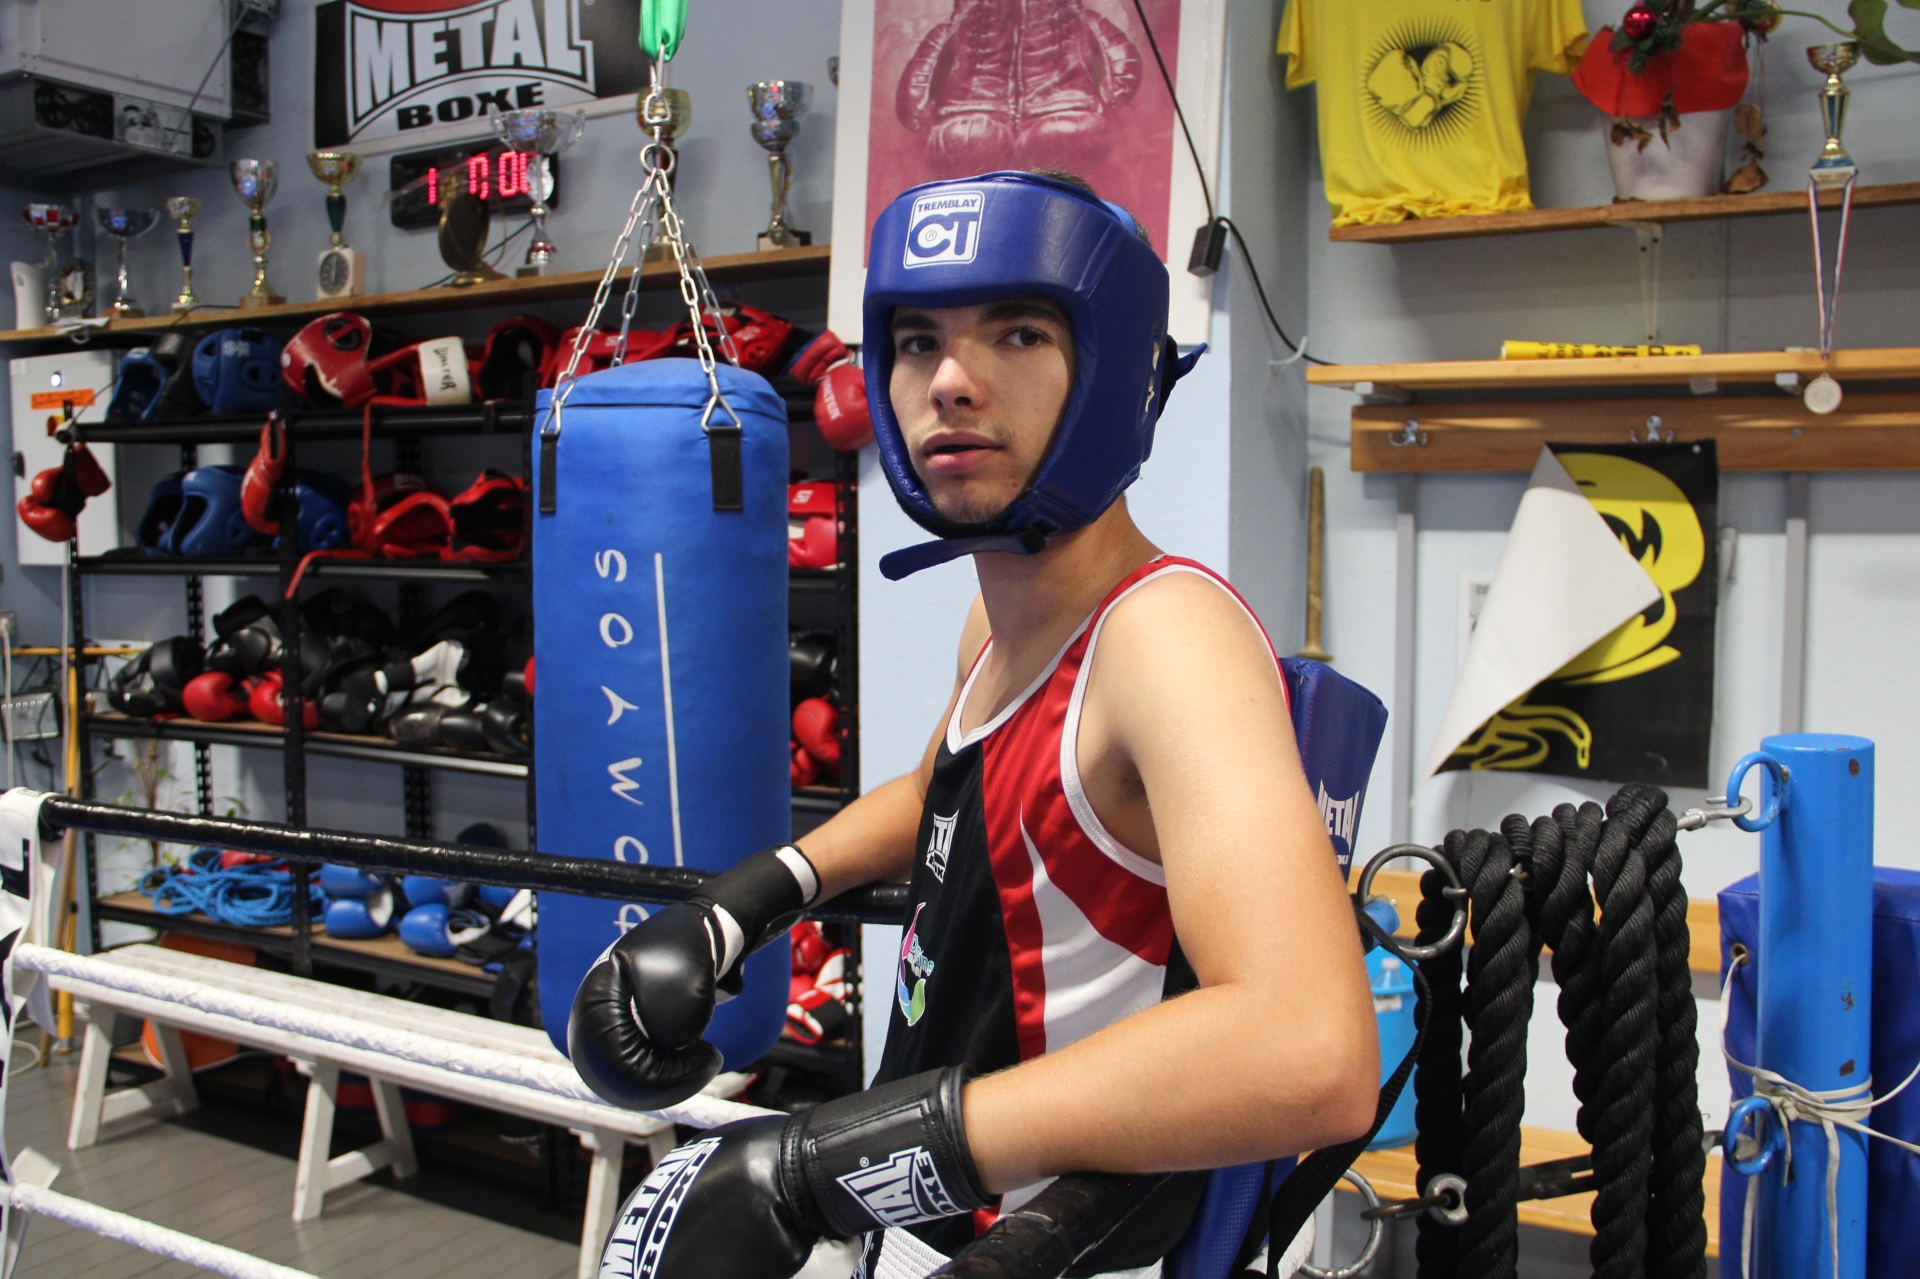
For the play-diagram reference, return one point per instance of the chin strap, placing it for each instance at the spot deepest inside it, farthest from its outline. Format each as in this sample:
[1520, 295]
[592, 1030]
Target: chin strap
[908, 560]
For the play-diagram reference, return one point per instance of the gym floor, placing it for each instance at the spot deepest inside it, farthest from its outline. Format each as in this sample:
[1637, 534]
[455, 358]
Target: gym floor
[233, 1192]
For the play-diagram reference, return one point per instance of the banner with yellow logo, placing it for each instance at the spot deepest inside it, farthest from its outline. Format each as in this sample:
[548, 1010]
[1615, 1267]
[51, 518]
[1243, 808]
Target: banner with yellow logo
[1637, 706]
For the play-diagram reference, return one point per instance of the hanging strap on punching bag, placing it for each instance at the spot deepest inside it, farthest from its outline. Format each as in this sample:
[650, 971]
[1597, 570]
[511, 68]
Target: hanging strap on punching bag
[651, 214]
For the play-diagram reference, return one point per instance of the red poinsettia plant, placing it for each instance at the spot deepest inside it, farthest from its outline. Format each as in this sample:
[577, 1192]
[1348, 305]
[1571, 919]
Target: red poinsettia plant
[1671, 57]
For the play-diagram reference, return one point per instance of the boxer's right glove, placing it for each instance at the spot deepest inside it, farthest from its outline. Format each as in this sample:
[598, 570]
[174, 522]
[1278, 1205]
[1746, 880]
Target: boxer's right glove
[634, 1033]
[749, 1201]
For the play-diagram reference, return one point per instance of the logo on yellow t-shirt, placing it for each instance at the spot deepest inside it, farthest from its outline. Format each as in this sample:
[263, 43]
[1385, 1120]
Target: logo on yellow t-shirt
[1423, 84]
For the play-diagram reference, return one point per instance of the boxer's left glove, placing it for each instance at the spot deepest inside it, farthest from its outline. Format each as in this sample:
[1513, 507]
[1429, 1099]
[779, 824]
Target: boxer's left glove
[634, 1033]
[749, 1201]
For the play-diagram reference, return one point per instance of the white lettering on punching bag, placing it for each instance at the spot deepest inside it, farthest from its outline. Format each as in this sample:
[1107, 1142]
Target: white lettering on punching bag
[628, 844]
[630, 914]
[613, 625]
[624, 786]
[613, 562]
[616, 705]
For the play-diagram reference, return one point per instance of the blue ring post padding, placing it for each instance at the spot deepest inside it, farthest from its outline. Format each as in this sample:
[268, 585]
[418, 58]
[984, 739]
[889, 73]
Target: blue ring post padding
[1773, 790]
[1771, 1138]
[634, 539]
[1338, 725]
[1816, 993]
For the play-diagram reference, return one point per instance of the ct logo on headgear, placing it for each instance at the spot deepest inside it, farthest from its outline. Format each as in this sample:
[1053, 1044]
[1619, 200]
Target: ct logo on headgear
[944, 229]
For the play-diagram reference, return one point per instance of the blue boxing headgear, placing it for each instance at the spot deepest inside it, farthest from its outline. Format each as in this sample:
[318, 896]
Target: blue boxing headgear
[1021, 235]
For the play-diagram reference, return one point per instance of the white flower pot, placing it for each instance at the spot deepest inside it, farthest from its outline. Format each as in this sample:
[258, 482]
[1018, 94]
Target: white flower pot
[1688, 162]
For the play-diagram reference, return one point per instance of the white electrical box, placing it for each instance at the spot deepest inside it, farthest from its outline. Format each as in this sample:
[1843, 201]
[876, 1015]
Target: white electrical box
[43, 388]
[136, 48]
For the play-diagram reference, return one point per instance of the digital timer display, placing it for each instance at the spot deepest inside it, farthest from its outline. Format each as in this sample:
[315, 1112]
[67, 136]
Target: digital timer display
[493, 173]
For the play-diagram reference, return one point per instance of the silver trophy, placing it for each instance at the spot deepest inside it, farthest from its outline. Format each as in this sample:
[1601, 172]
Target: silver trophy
[54, 221]
[124, 225]
[254, 181]
[539, 133]
[183, 209]
[778, 106]
[1834, 166]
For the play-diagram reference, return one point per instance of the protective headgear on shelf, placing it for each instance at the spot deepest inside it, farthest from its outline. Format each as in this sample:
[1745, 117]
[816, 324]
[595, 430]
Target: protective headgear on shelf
[489, 518]
[155, 382]
[210, 520]
[1011, 235]
[322, 502]
[520, 346]
[234, 371]
[597, 357]
[163, 510]
[152, 683]
[332, 360]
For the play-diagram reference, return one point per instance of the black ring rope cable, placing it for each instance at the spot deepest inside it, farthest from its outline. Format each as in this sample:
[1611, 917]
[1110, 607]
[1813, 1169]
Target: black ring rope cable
[1499, 1003]
[1206, 194]
[1437, 1119]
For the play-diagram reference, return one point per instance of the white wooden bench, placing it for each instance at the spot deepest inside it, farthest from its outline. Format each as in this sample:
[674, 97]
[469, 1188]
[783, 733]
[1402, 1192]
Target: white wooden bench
[604, 1129]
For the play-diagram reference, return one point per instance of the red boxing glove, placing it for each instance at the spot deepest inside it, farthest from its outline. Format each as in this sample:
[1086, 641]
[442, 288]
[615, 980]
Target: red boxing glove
[810, 949]
[213, 697]
[840, 408]
[832, 976]
[812, 543]
[264, 473]
[58, 494]
[801, 768]
[269, 708]
[816, 726]
[817, 1016]
[817, 356]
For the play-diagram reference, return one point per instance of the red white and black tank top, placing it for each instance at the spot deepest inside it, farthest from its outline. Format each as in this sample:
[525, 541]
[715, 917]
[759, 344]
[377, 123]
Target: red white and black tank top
[1032, 927]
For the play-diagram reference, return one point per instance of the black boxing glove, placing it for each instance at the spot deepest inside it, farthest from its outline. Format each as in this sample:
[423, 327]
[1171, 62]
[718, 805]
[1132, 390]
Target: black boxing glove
[634, 1033]
[749, 1201]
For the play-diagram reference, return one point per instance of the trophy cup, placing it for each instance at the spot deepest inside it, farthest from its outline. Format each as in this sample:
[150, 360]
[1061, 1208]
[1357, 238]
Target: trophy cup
[778, 106]
[679, 117]
[254, 181]
[124, 225]
[464, 223]
[51, 220]
[183, 209]
[343, 271]
[539, 133]
[1834, 166]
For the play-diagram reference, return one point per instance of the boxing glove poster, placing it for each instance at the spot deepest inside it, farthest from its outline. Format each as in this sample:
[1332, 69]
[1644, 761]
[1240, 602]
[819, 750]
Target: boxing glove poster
[393, 68]
[1637, 706]
[958, 87]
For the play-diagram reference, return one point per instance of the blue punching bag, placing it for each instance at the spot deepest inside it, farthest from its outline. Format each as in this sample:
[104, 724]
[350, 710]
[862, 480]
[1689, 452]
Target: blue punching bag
[660, 638]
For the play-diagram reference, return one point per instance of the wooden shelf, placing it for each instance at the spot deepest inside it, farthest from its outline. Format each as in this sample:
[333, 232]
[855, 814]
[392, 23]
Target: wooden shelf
[1885, 364]
[253, 733]
[1393, 1173]
[734, 268]
[1705, 208]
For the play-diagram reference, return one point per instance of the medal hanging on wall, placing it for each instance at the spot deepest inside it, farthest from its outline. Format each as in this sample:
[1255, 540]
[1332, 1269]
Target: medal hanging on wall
[1834, 170]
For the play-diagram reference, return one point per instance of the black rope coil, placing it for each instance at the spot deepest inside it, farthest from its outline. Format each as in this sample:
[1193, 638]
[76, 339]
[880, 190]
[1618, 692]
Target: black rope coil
[1626, 1001]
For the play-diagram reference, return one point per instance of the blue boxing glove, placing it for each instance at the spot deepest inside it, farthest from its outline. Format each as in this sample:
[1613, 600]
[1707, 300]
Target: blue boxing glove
[750, 1200]
[634, 1031]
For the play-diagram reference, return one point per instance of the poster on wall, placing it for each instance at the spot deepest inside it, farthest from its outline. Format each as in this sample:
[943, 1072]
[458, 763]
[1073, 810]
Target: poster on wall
[936, 89]
[1638, 705]
[385, 71]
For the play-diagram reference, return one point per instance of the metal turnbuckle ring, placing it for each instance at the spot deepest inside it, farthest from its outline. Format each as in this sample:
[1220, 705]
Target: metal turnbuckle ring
[1455, 890]
[1376, 1231]
[1773, 789]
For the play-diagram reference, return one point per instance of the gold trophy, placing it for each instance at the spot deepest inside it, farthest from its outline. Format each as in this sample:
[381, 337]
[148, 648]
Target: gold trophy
[679, 118]
[254, 181]
[1834, 166]
[464, 223]
[343, 271]
[183, 209]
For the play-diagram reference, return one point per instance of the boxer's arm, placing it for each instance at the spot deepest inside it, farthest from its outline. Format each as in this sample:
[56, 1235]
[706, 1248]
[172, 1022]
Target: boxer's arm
[871, 840]
[1276, 1053]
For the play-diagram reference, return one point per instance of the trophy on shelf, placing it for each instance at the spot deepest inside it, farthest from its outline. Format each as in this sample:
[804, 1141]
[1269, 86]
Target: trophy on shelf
[183, 209]
[679, 117]
[1834, 166]
[538, 133]
[53, 221]
[124, 225]
[778, 106]
[464, 223]
[343, 271]
[254, 181]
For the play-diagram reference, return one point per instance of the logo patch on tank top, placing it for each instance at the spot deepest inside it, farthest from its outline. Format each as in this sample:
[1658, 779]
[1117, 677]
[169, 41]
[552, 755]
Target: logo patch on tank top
[940, 845]
[910, 982]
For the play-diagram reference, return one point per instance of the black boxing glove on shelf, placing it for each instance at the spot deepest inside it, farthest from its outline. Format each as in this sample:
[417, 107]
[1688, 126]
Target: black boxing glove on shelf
[634, 1033]
[750, 1200]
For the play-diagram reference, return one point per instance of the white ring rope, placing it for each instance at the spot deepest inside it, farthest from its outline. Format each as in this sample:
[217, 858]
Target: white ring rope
[474, 1061]
[158, 1240]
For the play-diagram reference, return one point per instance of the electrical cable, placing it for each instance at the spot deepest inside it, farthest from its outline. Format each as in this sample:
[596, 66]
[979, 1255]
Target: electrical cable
[1216, 219]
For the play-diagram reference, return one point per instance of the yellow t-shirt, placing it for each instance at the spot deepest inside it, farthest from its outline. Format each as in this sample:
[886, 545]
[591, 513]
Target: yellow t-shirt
[1421, 101]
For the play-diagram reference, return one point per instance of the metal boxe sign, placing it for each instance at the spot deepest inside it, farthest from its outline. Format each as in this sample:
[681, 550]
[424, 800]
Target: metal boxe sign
[385, 68]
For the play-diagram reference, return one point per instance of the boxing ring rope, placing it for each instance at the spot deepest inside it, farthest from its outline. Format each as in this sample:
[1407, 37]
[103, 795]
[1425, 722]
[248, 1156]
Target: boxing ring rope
[506, 868]
[158, 1240]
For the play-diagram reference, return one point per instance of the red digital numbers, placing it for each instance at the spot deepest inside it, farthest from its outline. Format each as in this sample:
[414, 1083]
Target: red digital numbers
[513, 174]
[488, 174]
[479, 175]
